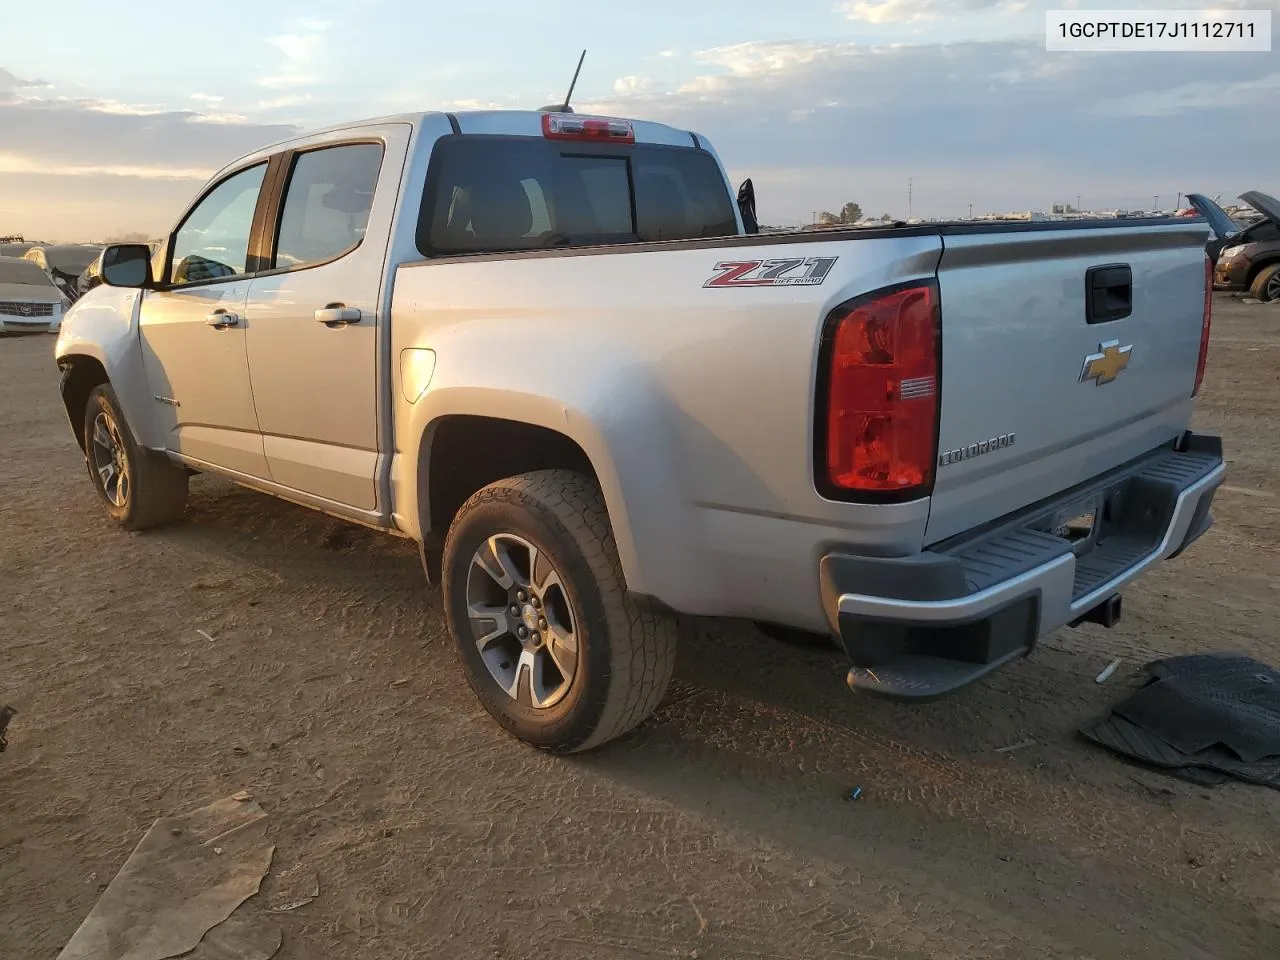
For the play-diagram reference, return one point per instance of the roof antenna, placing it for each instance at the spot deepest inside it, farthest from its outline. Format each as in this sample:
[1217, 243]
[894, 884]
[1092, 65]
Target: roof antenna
[564, 107]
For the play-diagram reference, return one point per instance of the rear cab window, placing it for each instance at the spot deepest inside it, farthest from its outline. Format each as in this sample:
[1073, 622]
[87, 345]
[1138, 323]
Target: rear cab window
[488, 194]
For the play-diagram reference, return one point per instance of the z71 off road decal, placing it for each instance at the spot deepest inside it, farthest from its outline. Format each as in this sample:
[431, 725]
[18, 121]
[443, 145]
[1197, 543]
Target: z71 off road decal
[798, 272]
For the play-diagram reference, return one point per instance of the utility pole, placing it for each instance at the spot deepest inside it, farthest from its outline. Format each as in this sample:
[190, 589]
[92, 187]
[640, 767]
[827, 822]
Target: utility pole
[971, 211]
[1077, 203]
[1155, 203]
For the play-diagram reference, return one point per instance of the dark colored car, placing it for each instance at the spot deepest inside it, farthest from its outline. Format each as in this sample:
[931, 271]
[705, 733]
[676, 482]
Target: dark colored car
[90, 277]
[1248, 258]
[64, 263]
[1223, 227]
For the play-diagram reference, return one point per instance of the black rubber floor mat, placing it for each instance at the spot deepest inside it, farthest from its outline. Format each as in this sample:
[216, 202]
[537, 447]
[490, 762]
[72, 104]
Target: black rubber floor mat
[1205, 717]
[1206, 699]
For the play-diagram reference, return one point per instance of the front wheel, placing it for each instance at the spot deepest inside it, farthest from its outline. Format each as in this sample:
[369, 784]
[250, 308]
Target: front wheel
[538, 610]
[1266, 285]
[139, 488]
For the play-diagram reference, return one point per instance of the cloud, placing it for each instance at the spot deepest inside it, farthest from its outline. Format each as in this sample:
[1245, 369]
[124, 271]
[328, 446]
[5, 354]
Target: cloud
[280, 103]
[68, 132]
[10, 82]
[109, 166]
[881, 12]
[890, 11]
[300, 49]
[17, 163]
[917, 11]
[223, 118]
[1000, 120]
[629, 85]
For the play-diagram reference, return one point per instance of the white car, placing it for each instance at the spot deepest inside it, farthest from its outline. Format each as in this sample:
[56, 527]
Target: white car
[29, 301]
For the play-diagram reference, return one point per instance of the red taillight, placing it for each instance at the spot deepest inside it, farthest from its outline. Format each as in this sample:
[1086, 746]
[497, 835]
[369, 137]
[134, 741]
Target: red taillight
[1205, 324]
[568, 126]
[882, 400]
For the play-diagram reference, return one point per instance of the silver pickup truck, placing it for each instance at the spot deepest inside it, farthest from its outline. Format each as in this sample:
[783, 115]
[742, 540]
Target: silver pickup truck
[551, 350]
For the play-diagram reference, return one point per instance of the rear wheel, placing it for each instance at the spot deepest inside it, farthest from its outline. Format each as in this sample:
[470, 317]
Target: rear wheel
[139, 488]
[538, 611]
[1266, 285]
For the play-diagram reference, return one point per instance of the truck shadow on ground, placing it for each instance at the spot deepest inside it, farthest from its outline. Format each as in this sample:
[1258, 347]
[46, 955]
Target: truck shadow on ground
[728, 659]
[1042, 698]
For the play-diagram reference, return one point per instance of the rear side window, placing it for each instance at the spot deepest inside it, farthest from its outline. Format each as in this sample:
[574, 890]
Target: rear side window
[327, 203]
[489, 194]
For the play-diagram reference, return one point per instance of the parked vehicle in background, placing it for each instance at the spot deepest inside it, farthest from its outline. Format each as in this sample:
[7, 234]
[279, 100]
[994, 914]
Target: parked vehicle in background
[15, 248]
[1250, 260]
[64, 263]
[1221, 224]
[29, 300]
[549, 349]
[90, 277]
[1245, 255]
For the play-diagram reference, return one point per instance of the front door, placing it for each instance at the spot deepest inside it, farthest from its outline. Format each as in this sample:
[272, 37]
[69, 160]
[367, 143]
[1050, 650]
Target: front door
[193, 332]
[314, 316]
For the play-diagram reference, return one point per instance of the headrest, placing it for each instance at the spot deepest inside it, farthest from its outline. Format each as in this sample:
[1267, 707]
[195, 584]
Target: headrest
[661, 207]
[500, 210]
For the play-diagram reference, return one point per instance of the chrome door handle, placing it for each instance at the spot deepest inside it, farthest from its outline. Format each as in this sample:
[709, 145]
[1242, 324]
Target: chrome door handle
[338, 315]
[221, 319]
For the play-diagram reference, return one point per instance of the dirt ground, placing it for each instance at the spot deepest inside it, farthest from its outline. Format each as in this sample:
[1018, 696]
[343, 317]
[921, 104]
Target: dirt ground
[717, 830]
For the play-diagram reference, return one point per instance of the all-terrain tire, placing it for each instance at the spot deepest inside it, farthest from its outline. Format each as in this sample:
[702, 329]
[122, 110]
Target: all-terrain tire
[1266, 285]
[156, 491]
[625, 654]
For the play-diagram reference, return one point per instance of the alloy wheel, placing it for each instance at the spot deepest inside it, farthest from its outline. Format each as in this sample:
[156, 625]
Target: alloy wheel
[110, 460]
[522, 621]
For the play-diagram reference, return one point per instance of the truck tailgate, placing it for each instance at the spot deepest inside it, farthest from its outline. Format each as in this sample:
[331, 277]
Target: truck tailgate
[1025, 413]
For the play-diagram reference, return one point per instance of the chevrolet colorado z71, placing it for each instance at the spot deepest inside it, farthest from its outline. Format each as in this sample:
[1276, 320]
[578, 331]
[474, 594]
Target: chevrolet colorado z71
[550, 349]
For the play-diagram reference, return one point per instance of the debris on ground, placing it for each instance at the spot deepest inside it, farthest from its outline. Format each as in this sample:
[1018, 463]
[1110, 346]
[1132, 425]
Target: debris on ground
[6, 714]
[295, 887]
[179, 888]
[1110, 669]
[1013, 747]
[1206, 718]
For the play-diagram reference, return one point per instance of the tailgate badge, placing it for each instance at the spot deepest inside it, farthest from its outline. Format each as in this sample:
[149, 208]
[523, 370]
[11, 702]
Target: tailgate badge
[1105, 365]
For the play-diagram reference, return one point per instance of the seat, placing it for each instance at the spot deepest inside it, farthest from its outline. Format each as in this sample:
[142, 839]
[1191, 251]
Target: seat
[500, 212]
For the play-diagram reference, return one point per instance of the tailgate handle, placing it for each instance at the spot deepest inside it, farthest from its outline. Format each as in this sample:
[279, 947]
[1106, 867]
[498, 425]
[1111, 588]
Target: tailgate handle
[1108, 292]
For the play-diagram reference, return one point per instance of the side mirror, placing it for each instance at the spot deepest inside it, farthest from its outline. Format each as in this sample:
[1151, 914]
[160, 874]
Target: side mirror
[747, 206]
[127, 265]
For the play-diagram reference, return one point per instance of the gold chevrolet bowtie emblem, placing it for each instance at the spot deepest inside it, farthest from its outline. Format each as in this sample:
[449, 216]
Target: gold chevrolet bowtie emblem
[1105, 365]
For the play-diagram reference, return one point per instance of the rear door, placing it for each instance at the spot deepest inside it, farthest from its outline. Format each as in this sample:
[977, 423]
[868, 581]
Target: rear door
[1065, 352]
[315, 314]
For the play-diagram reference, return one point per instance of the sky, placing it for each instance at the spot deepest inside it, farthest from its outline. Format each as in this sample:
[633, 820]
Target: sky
[109, 125]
